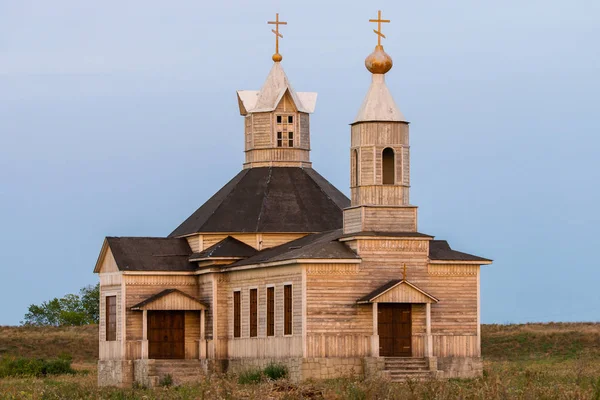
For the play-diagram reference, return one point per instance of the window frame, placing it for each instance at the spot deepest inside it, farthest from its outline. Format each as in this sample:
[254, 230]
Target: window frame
[110, 311]
[288, 310]
[270, 320]
[237, 314]
[253, 296]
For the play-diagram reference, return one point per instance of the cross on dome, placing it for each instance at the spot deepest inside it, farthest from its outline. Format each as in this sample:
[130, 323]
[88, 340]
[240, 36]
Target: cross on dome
[378, 31]
[277, 57]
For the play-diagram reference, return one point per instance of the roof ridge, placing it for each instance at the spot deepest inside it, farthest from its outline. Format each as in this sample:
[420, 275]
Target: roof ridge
[264, 199]
[320, 187]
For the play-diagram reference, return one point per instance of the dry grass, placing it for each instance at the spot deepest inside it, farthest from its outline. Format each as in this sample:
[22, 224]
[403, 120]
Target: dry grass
[531, 361]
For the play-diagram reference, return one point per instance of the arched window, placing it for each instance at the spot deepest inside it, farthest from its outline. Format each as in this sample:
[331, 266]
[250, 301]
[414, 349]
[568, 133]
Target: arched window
[388, 163]
[356, 169]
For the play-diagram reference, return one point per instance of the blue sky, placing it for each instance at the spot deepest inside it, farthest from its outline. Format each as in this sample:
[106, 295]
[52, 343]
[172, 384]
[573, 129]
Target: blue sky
[120, 118]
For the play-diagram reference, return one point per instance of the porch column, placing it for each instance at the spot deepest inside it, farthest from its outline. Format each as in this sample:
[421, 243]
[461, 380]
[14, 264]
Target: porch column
[428, 338]
[202, 341]
[375, 336]
[144, 334]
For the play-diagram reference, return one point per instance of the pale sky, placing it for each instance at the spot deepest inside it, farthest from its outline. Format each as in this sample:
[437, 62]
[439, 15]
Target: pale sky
[120, 118]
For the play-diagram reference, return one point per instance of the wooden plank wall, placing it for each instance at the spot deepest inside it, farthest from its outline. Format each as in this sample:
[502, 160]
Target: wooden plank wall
[397, 219]
[304, 130]
[352, 220]
[391, 195]
[260, 279]
[332, 291]
[278, 154]
[110, 285]
[192, 334]
[140, 287]
[261, 130]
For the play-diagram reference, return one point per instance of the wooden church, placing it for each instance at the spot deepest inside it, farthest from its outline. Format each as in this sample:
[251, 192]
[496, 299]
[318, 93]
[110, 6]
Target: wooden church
[280, 266]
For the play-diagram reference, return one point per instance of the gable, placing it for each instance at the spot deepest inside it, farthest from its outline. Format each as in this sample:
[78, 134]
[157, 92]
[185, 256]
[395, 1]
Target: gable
[398, 291]
[106, 260]
[170, 300]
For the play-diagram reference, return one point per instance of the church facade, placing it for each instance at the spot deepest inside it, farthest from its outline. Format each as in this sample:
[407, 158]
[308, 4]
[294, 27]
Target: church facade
[280, 266]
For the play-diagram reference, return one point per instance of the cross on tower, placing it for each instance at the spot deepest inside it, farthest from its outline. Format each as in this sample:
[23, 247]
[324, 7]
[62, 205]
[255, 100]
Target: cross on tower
[378, 31]
[277, 57]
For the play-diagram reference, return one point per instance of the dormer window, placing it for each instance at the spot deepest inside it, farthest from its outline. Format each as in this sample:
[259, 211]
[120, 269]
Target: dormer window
[285, 130]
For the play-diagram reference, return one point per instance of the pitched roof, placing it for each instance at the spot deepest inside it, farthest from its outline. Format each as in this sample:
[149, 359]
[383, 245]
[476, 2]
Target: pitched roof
[151, 254]
[271, 93]
[440, 250]
[371, 297]
[270, 199]
[319, 245]
[189, 303]
[379, 105]
[228, 247]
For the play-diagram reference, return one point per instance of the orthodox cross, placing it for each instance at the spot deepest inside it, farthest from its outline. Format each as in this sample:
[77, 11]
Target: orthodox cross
[276, 31]
[378, 31]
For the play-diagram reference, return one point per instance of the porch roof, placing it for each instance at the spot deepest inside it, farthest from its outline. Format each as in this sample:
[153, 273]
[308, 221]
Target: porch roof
[398, 291]
[170, 300]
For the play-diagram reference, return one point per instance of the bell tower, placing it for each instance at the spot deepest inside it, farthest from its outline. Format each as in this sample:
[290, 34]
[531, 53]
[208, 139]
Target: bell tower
[379, 157]
[276, 118]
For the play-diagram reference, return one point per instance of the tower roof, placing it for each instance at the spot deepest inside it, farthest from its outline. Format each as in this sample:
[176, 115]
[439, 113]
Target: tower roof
[379, 105]
[271, 93]
[270, 199]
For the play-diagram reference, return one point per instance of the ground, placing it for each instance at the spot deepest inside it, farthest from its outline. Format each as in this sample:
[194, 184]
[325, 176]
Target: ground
[531, 361]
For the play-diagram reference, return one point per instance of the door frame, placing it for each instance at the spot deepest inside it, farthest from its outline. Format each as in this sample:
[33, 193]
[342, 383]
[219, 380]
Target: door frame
[171, 356]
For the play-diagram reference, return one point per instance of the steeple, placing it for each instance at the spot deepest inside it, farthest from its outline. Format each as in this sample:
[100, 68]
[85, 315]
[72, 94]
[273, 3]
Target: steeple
[277, 122]
[379, 156]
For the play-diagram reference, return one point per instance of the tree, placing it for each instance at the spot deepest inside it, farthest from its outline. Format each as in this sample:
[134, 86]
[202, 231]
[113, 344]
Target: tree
[72, 309]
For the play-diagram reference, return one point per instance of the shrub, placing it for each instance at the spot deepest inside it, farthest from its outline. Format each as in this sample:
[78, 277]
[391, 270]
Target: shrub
[34, 367]
[166, 381]
[250, 376]
[275, 371]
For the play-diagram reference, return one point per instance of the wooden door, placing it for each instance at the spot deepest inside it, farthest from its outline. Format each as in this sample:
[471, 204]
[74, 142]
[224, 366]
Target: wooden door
[394, 325]
[166, 334]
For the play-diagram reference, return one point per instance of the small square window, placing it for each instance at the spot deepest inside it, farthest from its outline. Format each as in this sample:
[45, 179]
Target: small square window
[279, 119]
[290, 119]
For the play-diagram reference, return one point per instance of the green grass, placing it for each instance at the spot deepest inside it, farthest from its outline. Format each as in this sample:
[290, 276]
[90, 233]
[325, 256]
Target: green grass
[530, 361]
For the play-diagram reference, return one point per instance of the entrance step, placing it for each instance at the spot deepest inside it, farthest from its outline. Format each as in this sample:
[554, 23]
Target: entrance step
[402, 369]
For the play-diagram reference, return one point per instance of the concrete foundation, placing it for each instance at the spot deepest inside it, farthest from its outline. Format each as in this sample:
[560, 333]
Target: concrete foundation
[459, 367]
[115, 373]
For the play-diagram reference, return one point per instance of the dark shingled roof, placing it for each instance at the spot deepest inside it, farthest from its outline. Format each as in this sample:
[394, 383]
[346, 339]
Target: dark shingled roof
[162, 294]
[151, 254]
[228, 247]
[270, 199]
[440, 250]
[319, 245]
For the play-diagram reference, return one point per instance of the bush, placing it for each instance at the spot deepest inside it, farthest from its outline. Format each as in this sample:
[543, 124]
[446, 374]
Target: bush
[275, 371]
[166, 381]
[250, 376]
[34, 367]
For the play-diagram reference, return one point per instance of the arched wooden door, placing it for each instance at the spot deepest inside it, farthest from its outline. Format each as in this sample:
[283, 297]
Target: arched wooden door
[394, 326]
[166, 334]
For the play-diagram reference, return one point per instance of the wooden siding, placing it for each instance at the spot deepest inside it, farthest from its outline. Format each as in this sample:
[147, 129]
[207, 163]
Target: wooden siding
[386, 195]
[380, 219]
[108, 263]
[262, 131]
[392, 219]
[260, 279]
[266, 347]
[304, 131]
[110, 350]
[332, 291]
[194, 242]
[259, 241]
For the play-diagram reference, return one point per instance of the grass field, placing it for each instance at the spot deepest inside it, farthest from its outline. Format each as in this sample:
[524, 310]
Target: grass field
[531, 361]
